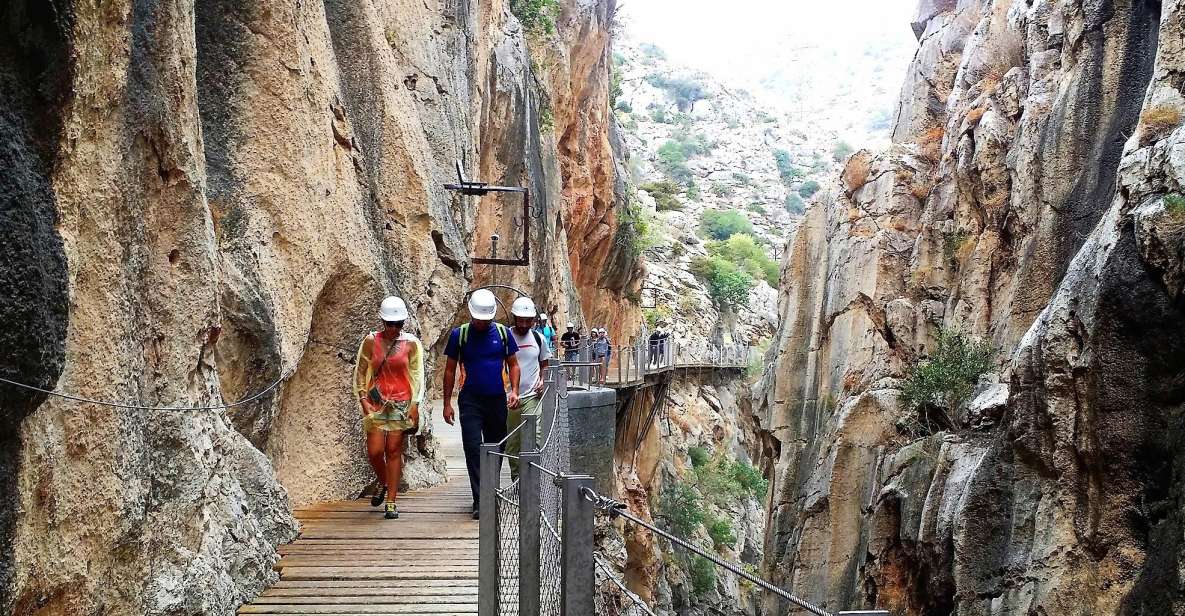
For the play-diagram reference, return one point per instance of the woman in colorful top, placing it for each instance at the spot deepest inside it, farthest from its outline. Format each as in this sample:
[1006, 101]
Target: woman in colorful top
[389, 384]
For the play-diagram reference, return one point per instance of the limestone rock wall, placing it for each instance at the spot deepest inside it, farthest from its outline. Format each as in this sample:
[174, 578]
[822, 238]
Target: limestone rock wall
[1022, 202]
[210, 197]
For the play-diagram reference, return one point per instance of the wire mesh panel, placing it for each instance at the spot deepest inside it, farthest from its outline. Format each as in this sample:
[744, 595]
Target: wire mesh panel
[556, 459]
[508, 550]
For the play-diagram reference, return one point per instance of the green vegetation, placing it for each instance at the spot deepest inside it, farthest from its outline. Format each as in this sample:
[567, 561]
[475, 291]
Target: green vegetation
[742, 178]
[728, 286]
[725, 480]
[685, 92]
[749, 478]
[681, 506]
[654, 315]
[615, 79]
[756, 208]
[808, 189]
[744, 252]
[841, 151]
[945, 380]
[723, 224]
[699, 456]
[952, 242]
[721, 532]
[546, 120]
[537, 16]
[692, 191]
[658, 114]
[664, 193]
[794, 204]
[674, 154]
[634, 232]
[651, 51]
[1174, 204]
[624, 106]
[703, 576]
[721, 190]
[786, 169]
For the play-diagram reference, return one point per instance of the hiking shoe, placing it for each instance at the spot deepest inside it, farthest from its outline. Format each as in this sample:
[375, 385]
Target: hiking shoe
[392, 512]
[379, 497]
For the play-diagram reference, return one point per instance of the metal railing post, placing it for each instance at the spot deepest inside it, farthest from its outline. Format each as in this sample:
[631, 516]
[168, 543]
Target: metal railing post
[578, 577]
[528, 529]
[487, 550]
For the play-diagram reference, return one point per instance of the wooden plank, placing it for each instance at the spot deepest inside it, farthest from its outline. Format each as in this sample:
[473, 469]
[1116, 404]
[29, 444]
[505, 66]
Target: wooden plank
[377, 599]
[358, 608]
[337, 584]
[418, 590]
[375, 573]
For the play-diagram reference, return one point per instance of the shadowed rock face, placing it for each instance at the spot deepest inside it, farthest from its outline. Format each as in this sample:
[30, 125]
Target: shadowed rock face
[235, 186]
[1026, 209]
[32, 264]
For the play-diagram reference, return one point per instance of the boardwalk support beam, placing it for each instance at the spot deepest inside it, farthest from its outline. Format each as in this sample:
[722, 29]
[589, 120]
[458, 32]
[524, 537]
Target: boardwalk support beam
[576, 587]
[487, 550]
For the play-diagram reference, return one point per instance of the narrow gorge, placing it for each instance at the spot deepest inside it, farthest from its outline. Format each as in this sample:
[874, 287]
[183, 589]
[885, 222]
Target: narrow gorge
[961, 306]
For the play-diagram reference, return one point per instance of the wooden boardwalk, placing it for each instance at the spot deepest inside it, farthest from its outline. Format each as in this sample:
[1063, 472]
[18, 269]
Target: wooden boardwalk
[348, 559]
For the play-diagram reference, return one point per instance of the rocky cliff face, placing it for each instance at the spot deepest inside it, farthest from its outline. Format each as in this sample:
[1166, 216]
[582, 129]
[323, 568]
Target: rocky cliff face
[224, 191]
[1030, 198]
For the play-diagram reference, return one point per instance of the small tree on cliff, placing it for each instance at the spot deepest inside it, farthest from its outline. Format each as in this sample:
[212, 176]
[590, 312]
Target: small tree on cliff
[536, 16]
[944, 381]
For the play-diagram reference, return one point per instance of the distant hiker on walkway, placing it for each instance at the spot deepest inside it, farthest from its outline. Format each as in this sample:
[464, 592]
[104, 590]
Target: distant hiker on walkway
[600, 351]
[389, 386]
[532, 356]
[547, 331]
[570, 342]
[485, 350]
[654, 338]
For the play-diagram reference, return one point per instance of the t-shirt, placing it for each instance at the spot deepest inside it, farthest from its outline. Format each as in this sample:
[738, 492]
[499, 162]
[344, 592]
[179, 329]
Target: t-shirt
[548, 334]
[570, 341]
[483, 358]
[529, 355]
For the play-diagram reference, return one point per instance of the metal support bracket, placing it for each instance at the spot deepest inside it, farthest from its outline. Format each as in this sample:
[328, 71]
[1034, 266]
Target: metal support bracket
[481, 189]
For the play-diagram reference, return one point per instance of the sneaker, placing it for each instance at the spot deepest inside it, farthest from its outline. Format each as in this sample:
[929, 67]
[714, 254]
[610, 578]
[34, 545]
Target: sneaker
[392, 511]
[379, 497]
[476, 513]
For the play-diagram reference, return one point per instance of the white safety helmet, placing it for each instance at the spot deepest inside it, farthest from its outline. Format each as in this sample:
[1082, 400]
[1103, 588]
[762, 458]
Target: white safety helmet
[523, 307]
[393, 309]
[482, 305]
[542, 316]
[571, 325]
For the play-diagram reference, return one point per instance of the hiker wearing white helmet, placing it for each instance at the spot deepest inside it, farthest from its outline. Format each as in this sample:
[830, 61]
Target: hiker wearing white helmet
[547, 331]
[532, 356]
[570, 342]
[484, 349]
[389, 387]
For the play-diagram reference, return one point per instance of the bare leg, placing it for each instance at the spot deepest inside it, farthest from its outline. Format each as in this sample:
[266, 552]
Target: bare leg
[394, 463]
[375, 446]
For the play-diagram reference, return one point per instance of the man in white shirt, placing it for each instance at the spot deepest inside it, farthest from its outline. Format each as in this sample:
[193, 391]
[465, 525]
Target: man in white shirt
[532, 355]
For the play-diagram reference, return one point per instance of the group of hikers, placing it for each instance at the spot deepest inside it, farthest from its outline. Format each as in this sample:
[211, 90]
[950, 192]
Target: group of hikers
[502, 380]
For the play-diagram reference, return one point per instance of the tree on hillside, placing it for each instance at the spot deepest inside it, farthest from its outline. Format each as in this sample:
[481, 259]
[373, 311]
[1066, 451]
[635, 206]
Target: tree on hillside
[723, 224]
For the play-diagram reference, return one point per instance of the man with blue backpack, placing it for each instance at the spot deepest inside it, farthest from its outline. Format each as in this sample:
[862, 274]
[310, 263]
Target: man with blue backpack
[486, 351]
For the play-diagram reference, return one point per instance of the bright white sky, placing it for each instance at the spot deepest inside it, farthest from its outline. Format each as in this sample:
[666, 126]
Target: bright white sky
[722, 36]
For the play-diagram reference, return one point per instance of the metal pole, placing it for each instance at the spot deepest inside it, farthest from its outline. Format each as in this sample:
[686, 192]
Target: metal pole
[578, 577]
[487, 551]
[528, 530]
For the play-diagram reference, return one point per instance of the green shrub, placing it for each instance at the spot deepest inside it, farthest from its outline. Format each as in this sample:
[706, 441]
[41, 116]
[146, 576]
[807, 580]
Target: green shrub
[743, 251]
[750, 479]
[841, 151]
[808, 189]
[785, 167]
[650, 51]
[699, 456]
[742, 178]
[721, 532]
[658, 114]
[1174, 204]
[723, 224]
[728, 286]
[654, 315]
[945, 380]
[685, 92]
[952, 242]
[721, 190]
[537, 16]
[624, 106]
[756, 208]
[794, 204]
[693, 191]
[634, 232]
[682, 508]
[664, 193]
[703, 576]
